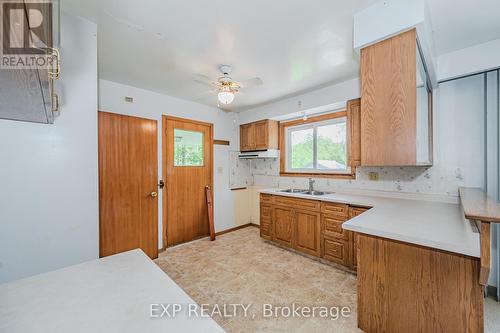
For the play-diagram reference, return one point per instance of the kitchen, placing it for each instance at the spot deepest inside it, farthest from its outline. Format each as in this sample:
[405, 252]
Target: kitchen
[359, 177]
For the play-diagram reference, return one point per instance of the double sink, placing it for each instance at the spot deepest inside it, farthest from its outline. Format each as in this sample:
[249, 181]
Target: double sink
[307, 192]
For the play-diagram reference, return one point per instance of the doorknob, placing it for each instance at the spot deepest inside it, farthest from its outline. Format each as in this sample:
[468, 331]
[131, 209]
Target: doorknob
[153, 194]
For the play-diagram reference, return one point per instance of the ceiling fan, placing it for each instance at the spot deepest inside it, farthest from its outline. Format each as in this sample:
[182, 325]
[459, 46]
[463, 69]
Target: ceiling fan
[225, 87]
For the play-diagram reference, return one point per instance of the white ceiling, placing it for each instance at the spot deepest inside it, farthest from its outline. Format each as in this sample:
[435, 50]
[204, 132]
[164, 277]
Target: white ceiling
[292, 45]
[458, 24]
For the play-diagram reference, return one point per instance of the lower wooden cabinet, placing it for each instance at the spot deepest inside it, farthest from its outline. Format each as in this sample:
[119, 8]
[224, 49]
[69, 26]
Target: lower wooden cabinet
[282, 225]
[307, 232]
[310, 226]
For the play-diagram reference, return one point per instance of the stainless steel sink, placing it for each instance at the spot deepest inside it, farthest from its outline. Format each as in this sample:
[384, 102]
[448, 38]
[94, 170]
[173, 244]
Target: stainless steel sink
[315, 193]
[293, 190]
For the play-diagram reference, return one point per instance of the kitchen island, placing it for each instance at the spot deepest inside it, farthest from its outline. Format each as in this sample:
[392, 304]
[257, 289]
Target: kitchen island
[418, 263]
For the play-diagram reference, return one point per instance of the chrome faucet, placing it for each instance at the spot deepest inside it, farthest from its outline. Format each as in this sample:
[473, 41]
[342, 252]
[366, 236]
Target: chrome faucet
[311, 184]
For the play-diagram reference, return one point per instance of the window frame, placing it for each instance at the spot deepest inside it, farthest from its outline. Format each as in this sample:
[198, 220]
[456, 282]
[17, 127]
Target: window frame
[314, 122]
[314, 126]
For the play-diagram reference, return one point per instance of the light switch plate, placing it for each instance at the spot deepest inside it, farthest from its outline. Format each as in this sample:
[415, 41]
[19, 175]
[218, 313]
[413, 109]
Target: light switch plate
[220, 170]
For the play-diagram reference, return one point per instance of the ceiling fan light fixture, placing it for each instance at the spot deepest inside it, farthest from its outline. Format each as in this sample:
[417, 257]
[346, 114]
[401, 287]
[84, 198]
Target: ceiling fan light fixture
[225, 97]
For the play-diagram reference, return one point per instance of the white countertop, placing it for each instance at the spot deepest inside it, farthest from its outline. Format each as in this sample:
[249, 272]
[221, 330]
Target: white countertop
[112, 294]
[438, 225]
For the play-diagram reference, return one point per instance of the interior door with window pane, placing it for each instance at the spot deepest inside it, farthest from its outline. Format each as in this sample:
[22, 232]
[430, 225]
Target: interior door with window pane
[187, 168]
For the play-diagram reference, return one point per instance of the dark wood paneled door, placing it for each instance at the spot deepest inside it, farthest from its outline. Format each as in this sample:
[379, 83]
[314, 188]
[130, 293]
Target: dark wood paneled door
[188, 170]
[128, 177]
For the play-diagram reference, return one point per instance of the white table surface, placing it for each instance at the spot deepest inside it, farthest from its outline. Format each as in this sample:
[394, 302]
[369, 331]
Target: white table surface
[112, 294]
[437, 225]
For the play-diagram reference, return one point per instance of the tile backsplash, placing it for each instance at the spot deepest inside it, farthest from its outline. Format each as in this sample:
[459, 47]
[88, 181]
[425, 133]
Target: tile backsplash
[239, 171]
[426, 180]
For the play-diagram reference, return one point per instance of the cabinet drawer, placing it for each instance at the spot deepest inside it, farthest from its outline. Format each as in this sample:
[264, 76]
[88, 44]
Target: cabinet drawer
[266, 198]
[336, 209]
[336, 250]
[355, 211]
[297, 203]
[266, 211]
[332, 226]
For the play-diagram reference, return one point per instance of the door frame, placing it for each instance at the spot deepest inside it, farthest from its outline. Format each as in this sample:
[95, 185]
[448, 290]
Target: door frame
[164, 145]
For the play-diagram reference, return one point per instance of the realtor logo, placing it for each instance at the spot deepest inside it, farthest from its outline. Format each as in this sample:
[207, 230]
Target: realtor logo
[27, 34]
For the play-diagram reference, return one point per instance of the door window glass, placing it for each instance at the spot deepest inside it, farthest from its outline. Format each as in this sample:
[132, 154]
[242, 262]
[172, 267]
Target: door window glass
[188, 148]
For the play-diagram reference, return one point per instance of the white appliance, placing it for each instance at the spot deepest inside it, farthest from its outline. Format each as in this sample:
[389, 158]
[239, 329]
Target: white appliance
[269, 153]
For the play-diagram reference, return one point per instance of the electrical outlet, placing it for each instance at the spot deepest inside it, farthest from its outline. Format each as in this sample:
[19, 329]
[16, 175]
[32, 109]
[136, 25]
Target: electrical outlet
[373, 176]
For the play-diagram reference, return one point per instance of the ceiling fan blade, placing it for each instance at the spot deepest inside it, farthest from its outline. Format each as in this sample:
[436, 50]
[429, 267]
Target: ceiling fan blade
[256, 81]
[203, 79]
[207, 95]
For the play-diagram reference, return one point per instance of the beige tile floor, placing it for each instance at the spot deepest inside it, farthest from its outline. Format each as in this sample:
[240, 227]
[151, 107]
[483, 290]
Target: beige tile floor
[240, 267]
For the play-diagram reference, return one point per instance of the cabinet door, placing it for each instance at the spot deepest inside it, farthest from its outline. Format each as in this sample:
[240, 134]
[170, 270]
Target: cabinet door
[388, 102]
[282, 225]
[261, 134]
[307, 232]
[247, 137]
[266, 220]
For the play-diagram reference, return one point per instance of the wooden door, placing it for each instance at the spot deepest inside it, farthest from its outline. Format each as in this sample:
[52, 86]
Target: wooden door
[307, 232]
[247, 137]
[261, 134]
[188, 169]
[128, 177]
[282, 223]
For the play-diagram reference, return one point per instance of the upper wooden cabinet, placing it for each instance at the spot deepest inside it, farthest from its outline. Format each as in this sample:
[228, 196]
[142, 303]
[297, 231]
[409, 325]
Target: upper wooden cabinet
[396, 104]
[260, 135]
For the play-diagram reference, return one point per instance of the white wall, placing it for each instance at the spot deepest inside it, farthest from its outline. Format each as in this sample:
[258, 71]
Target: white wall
[48, 173]
[333, 94]
[471, 60]
[153, 105]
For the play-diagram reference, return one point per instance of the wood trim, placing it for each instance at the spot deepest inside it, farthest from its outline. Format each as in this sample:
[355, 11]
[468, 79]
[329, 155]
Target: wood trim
[477, 205]
[222, 142]
[320, 175]
[326, 116]
[164, 146]
[283, 125]
[236, 228]
[484, 271]
[197, 122]
[164, 177]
